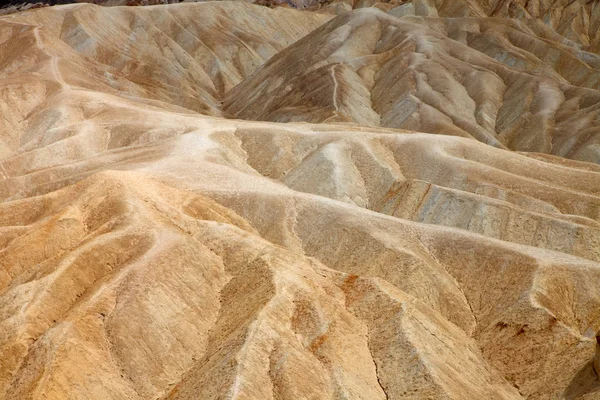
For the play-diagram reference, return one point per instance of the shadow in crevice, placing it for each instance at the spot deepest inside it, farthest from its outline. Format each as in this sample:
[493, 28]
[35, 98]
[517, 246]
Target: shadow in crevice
[586, 382]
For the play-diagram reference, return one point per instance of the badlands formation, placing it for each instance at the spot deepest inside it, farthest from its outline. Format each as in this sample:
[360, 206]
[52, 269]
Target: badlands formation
[372, 200]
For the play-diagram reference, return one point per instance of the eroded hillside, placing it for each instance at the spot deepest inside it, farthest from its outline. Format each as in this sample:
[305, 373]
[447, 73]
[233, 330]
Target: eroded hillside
[425, 224]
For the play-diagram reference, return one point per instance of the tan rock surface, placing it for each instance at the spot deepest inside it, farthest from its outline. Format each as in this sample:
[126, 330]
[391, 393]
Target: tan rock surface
[152, 249]
[494, 80]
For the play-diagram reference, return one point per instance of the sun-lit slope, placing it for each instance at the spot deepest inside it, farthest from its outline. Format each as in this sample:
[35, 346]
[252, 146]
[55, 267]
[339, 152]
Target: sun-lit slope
[186, 56]
[151, 252]
[156, 291]
[490, 79]
[500, 285]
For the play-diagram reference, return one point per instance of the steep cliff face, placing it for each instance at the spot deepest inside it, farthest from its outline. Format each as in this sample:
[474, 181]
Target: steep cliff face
[426, 224]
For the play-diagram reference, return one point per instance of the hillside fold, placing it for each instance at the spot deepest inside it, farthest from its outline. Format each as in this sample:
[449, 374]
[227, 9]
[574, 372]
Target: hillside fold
[223, 200]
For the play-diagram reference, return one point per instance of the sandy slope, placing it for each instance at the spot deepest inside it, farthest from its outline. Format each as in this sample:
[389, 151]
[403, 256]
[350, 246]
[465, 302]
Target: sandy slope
[494, 80]
[151, 249]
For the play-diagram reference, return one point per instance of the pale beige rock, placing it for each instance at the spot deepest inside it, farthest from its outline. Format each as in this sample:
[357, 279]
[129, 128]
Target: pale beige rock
[152, 249]
[493, 80]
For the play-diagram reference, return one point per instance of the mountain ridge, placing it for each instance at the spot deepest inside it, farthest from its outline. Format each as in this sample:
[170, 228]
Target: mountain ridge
[216, 200]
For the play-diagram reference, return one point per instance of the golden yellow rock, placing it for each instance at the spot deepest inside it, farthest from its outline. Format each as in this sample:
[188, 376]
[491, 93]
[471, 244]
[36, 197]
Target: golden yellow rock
[225, 201]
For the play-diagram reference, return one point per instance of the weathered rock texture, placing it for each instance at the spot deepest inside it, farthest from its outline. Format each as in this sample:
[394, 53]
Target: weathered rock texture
[151, 248]
[495, 80]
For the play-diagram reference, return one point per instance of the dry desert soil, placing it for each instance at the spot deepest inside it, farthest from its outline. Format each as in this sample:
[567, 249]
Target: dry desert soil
[301, 200]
